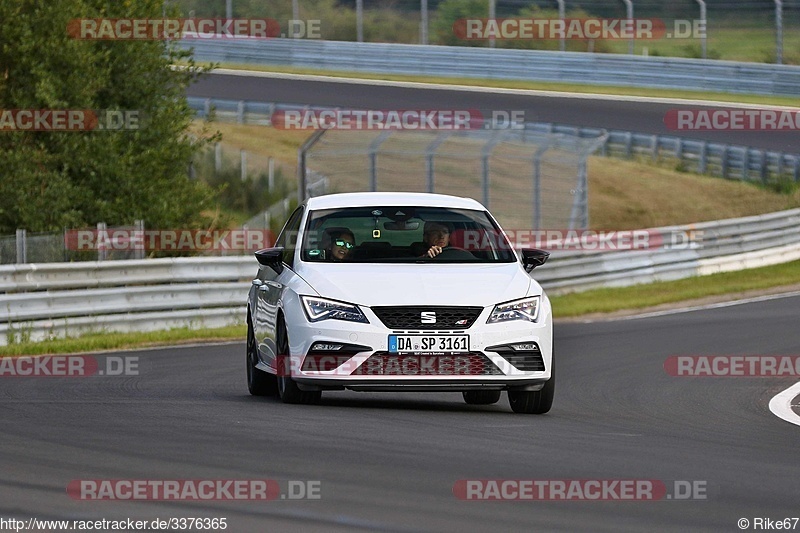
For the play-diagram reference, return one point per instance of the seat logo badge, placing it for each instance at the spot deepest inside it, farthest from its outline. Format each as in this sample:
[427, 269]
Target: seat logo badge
[428, 317]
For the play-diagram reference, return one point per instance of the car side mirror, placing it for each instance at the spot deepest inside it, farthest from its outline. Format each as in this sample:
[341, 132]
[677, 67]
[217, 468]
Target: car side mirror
[533, 257]
[271, 257]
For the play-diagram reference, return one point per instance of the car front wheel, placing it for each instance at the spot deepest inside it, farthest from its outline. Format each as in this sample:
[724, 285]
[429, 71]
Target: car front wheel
[259, 383]
[535, 402]
[287, 387]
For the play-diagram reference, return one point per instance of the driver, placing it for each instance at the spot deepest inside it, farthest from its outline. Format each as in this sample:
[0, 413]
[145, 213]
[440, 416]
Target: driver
[436, 236]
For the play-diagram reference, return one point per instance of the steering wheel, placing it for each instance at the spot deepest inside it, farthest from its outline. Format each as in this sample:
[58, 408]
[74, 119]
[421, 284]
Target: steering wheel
[454, 252]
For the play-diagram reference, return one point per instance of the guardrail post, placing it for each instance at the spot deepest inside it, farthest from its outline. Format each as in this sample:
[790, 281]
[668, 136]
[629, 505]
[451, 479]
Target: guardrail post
[628, 144]
[654, 147]
[762, 166]
[207, 108]
[779, 166]
[22, 246]
[796, 169]
[723, 161]
[679, 149]
[243, 164]
[702, 160]
[240, 112]
[745, 165]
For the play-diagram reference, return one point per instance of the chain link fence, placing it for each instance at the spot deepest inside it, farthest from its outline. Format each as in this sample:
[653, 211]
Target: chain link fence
[528, 179]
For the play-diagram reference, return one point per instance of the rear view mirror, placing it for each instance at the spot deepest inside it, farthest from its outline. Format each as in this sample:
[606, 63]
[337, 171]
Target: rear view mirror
[400, 225]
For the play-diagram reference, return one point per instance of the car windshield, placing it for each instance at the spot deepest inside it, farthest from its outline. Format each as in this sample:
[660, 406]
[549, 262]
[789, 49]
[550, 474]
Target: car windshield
[403, 234]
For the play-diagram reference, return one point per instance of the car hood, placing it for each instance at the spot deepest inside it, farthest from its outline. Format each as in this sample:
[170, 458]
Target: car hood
[419, 284]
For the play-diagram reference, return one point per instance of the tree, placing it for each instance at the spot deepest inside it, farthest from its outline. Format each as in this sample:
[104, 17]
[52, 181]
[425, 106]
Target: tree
[53, 179]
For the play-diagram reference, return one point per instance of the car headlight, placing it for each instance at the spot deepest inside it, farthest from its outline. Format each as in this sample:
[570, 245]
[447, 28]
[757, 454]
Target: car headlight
[321, 309]
[525, 309]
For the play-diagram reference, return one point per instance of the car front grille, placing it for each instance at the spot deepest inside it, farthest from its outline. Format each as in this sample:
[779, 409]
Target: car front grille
[411, 317]
[389, 364]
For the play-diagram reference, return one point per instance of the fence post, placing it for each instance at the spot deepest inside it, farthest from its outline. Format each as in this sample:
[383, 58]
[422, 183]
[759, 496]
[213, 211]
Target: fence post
[270, 174]
[102, 238]
[22, 246]
[779, 32]
[243, 157]
[537, 186]
[423, 23]
[138, 250]
[703, 39]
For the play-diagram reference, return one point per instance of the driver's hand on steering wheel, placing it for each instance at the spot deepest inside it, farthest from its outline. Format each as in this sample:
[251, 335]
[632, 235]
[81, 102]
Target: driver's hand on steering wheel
[433, 251]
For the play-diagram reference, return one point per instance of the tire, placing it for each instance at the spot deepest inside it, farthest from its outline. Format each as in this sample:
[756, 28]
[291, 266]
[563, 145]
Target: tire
[535, 402]
[481, 397]
[287, 387]
[259, 383]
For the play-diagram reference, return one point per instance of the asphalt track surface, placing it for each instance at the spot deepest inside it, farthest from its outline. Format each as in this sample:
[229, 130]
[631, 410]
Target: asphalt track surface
[389, 461]
[598, 112]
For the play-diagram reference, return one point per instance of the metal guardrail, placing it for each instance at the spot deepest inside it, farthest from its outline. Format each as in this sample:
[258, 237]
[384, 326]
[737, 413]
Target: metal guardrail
[721, 246]
[497, 63]
[704, 157]
[47, 300]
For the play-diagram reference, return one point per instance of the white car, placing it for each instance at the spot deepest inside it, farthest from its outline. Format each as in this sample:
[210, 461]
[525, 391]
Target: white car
[357, 295]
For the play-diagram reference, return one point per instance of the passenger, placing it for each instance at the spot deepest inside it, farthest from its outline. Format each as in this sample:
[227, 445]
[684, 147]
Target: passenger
[342, 243]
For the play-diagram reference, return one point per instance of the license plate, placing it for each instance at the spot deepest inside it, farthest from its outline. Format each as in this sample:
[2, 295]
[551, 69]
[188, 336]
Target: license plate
[428, 343]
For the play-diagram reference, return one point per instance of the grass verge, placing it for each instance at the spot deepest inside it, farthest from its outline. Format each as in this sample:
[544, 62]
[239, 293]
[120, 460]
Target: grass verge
[666, 292]
[95, 342]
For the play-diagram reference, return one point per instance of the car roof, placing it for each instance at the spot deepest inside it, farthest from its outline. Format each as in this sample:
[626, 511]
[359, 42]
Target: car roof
[369, 199]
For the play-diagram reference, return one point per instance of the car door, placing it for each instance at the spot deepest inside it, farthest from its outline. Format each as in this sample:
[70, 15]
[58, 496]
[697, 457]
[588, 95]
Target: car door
[270, 287]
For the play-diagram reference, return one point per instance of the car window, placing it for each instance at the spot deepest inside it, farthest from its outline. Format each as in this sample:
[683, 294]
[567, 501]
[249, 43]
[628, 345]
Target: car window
[395, 234]
[288, 236]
